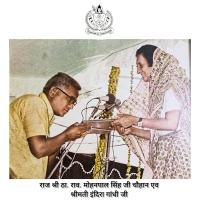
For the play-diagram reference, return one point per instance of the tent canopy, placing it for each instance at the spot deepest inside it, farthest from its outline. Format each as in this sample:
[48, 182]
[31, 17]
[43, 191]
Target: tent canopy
[44, 58]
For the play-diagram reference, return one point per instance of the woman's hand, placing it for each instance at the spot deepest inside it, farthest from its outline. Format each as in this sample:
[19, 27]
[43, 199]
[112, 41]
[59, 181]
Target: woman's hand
[126, 131]
[121, 130]
[133, 131]
[125, 120]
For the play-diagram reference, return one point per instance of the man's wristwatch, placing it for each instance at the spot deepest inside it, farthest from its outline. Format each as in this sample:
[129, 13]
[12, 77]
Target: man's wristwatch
[140, 122]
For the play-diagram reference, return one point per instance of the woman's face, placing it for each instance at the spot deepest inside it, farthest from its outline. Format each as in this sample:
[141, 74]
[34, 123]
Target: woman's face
[143, 67]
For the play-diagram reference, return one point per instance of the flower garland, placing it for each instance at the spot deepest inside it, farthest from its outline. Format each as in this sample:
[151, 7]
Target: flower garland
[98, 173]
[129, 151]
[128, 165]
[112, 87]
[131, 88]
[139, 172]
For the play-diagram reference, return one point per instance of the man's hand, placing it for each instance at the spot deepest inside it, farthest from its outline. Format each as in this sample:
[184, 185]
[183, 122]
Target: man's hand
[77, 130]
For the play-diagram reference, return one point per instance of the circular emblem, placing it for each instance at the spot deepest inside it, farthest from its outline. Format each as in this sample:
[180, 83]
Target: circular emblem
[98, 21]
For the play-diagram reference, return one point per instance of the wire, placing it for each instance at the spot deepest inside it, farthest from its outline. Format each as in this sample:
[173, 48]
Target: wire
[85, 109]
[60, 125]
[88, 107]
[72, 158]
[113, 144]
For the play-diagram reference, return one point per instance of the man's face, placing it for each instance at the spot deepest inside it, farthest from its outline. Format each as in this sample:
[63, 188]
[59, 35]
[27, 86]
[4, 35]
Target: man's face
[62, 99]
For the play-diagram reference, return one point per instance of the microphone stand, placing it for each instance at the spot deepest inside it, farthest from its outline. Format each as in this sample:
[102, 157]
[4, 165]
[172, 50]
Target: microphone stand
[106, 151]
[107, 154]
[69, 145]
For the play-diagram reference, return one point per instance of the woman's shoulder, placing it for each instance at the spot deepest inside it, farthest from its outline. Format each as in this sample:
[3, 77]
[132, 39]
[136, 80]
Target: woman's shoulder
[171, 102]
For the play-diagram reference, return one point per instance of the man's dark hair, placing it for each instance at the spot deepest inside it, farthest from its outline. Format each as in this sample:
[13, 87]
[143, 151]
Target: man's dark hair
[61, 79]
[147, 51]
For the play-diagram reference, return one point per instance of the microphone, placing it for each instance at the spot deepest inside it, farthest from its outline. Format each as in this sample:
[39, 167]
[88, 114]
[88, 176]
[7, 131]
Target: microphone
[117, 103]
[109, 98]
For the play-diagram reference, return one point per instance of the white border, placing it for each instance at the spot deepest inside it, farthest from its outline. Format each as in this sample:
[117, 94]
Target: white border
[65, 20]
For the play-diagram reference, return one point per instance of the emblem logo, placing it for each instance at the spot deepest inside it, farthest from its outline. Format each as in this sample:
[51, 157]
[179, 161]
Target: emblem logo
[99, 21]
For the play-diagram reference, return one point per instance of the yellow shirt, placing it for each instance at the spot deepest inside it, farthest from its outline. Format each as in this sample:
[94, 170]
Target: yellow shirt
[30, 115]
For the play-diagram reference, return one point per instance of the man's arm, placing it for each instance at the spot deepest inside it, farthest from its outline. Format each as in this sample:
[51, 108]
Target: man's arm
[41, 146]
[51, 161]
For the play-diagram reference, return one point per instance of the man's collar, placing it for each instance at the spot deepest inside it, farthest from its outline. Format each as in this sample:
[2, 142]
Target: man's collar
[43, 96]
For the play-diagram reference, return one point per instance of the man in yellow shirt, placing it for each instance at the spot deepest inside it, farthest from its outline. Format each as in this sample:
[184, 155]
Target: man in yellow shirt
[32, 150]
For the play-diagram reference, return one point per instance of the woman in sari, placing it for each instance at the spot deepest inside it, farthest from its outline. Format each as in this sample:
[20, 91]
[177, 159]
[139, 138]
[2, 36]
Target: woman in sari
[155, 120]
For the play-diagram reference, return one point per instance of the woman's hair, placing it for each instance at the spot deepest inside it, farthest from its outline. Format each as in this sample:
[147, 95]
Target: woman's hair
[61, 79]
[147, 51]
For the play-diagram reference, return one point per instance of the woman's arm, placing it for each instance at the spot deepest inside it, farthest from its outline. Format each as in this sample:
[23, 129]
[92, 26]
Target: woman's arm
[170, 122]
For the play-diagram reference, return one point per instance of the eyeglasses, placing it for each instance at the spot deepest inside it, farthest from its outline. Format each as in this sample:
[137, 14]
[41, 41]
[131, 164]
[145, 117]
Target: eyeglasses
[72, 100]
